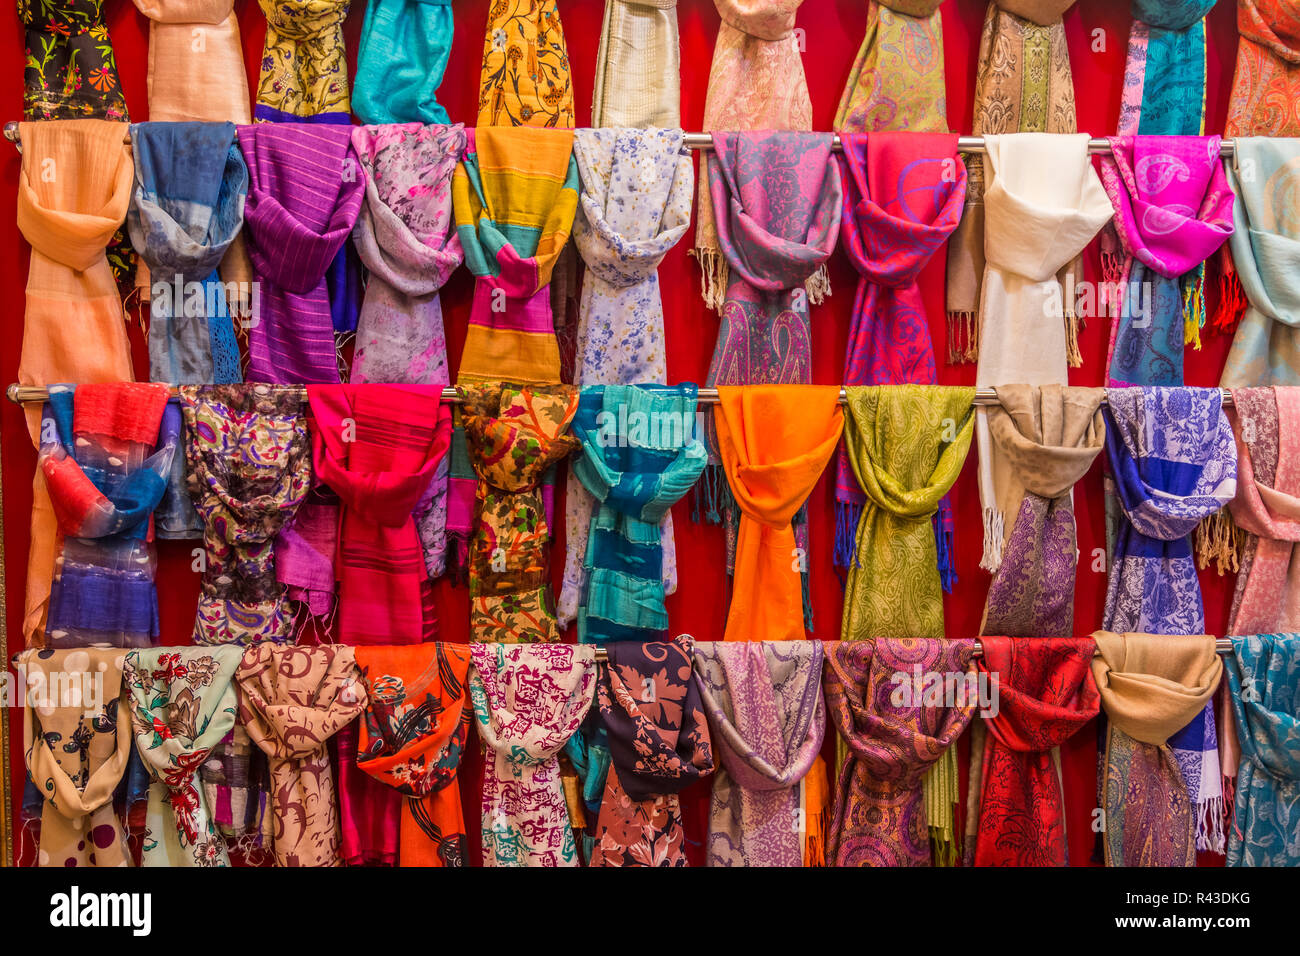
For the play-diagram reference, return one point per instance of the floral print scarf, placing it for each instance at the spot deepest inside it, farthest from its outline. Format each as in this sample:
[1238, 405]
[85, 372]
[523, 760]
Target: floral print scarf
[1265, 98]
[525, 79]
[304, 75]
[71, 70]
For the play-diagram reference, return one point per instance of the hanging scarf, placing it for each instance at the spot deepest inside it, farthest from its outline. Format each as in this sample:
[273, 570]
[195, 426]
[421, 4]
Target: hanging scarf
[182, 705]
[1151, 686]
[235, 784]
[304, 76]
[70, 69]
[635, 205]
[775, 442]
[76, 756]
[639, 455]
[895, 732]
[659, 744]
[1265, 98]
[525, 77]
[638, 66]
[1164, 78]
[106, 451]
[1264, 685]
[513, 434]
[528, 701]
[378, 447]
[249, 460]
[767, 719]
[1044, 440]
[304, 196]
[896, 82]
[405, 45]
[196, 63]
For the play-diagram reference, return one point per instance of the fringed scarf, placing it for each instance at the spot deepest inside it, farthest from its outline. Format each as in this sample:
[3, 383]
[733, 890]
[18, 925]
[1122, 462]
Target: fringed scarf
[1164, 79]
[405, 45]
[638, 66]
[1151, 686]
[304, 76]
[640, 454]
[897, 82]
[775, 441]
[767, 719]
[1265, 98]
[70, 70]
[658, 739]
[528, 701]
[182, 706]
[525, 78]
[196, 63]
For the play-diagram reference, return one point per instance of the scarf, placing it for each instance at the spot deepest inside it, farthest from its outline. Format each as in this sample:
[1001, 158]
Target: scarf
[1264, 685]
[405, 45]
[638, 66]
[303, 198]
[235, 785]
[513, 434]
[412, 738]
[1151, 686]
[896, 727]
[1044, 440]
[639, 456]
[75, 754]
[249, 460]
[1265, 97]
[775, 440]
[377, 447]
[658, 740]
[106, 451]
[528, 701]
[1164, 78]
[1173, 210]
[756, 82]
[70, 70]
[635, 205]
[183, 86]
[182, 705]
[767, 719]
[525, 78]
[304, 75]
[896, 82]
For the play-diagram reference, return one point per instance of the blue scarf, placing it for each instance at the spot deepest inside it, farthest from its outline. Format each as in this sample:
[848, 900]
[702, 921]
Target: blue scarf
[1164, 83]
[403, 55]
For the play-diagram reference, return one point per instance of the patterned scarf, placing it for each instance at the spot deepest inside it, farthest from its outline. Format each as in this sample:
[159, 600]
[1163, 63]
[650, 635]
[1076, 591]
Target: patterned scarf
[775, 442]
[184, 87]
[1164, 79]
[70, 69]
[249, 460]
[1264, 684]
[659, 744]
[896, 82]
[1150, 685]
[767, 719]
[1265, 97]
[635, 205]
[638, 66]
[528, 701]
[525, 78]
[405, 45]
[639, 455]
[304, 76]
[182, 705]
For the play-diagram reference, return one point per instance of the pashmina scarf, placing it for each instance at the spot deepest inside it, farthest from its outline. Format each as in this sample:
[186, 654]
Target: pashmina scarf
[1164, 79]
[658, 739]
[896, 82]
[528, 701]
[304, 196]
[304, 76]
[70, 70]
[635, 205]
[775, 442]
[756, 82]
[196, 63]
[76, 747]
[249, 458]
[412, 738]
[405, 45]
[1150, 686]
[1044, 440]
[895, 732]
[639, 455]
[1045, 695]
[1264, 685]
[525, 78]
[182, 706]
[1265, 98]
[767, 719]
[638, 66]
[291, 701]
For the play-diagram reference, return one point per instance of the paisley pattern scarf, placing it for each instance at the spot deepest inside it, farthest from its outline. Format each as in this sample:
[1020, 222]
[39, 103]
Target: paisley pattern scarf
[896, 82]
[767, 719]
[1265, 98]
[528, 701]
[304, 76]
[525, 78]
[183, 87]
[1164, 79]
[405, 45]
[638, 66]
[70, 70]
[183, 705]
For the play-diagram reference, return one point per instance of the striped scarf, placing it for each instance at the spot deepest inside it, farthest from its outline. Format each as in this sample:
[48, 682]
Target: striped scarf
[405, 45]
[897, 82]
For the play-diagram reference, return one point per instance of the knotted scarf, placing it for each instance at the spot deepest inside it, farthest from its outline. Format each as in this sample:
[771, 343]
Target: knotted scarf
[70, 70]
[304, 75]
[638, 66]
[896, 82]
[1151, 686]
[775, 441]
[405, 45]
[528, 701]
[525, 78]
[640, 454]
[658, 738]
[1265, 98]
[182, 705]
[1164, 78]
[196, 63]
[767, 719]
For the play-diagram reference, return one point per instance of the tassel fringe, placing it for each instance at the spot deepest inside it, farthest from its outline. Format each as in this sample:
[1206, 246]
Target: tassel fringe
[1232, 303]
[1218, 539]
[1194, 309]
[848, 515]
[994, 531]
[1210, 834]
[963, 340]
[818, 285]
[943, 541]
[711, 498]
[940, 789]
[714, 275]
[1073, 323]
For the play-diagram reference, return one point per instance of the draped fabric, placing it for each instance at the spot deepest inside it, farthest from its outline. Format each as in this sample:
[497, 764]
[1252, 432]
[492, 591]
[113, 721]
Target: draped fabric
[767, 719]
[304, 75]
[1150, 686]
[897, 82]
[1265, 99]
[1164, 77]
[638, 66]
[70, 70]
[525, 77]
[528, 701]
[405, 45]
[196, 63]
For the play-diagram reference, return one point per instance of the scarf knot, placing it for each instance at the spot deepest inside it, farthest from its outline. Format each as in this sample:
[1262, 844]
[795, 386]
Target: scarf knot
[513, 448]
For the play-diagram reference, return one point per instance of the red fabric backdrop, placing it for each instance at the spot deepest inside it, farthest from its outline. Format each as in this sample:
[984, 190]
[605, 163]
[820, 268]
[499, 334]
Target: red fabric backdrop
[1097, 31]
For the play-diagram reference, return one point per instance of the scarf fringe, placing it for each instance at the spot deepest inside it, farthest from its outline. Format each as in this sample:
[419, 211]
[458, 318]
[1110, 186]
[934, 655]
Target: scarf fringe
[963, 341]
[994, 532]
[1073, 323]
[1210, 833]
[1219, 539]
[711, 498]
[819, 285]
[943, 543]
[940, 790]
[1194, 309]
[805, 591]
[714, 275]
[848, 515]
[1232, 303]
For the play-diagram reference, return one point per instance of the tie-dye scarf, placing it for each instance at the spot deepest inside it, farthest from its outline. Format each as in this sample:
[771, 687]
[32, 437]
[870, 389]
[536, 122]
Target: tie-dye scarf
[304, 76]
[528, 701]
[405, 45]
[897, 82]
[638, 66]
[1164, 79]
[1265, 98]
[767, 719]
[525, 78]
[70, 70]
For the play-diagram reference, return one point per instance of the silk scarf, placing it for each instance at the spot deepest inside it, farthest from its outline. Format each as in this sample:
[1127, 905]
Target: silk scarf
[897, 82]
[405, 45]
[1164, 77]
[525, 77]
[638, 67]
[70, 70]
[304, 75]
[1265, 98]
[184, 87]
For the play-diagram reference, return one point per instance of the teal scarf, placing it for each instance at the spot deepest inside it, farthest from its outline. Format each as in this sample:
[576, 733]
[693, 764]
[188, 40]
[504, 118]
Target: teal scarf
[1164, 82]
[400, 62]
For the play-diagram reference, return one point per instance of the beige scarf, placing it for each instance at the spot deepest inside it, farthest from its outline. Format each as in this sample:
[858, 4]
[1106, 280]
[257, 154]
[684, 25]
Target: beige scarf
[638, 66]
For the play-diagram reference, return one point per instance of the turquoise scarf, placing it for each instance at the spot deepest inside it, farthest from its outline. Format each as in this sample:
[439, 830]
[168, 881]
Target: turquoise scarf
[403, 54]
[1164, 82]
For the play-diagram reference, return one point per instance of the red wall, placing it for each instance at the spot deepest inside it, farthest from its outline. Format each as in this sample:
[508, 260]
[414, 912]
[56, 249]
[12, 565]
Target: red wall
[1097, 30]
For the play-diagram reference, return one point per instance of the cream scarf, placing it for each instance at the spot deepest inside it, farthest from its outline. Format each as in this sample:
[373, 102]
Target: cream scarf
[638, 66]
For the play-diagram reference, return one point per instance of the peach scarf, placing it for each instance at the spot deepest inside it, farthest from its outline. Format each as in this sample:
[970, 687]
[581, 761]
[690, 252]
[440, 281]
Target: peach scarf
[196, 65]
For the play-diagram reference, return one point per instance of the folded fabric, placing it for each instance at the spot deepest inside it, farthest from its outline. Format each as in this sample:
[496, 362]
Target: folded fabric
[638, 66]
[405, 45]
[196, 63]
[304, 75]
[70, 71]
[896, 82]
[1265, 98]
[525, 77]
[1164, 77]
